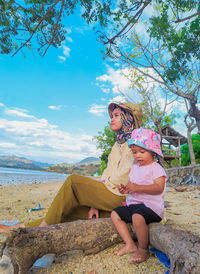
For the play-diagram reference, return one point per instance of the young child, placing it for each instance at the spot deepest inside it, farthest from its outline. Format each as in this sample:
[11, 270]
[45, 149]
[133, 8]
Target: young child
[145, 200]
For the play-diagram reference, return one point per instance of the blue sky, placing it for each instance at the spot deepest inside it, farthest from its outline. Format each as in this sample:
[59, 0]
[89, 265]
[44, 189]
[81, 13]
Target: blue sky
[51, 107]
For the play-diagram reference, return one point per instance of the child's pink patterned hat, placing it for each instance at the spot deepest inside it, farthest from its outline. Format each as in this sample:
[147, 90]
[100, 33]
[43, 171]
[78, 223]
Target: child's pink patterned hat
[146, 138]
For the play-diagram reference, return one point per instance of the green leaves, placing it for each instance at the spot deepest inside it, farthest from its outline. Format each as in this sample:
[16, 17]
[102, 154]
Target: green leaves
[185, 155]
[117, 18]
[105, 140]
[181, 40]
[40, 21]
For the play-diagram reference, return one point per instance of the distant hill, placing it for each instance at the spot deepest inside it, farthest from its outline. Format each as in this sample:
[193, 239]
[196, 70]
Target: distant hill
[88, 167]
[21, 162]
[42, 165]
[89, 160]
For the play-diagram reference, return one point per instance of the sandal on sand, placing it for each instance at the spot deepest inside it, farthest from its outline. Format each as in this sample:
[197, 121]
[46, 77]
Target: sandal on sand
[140, 256]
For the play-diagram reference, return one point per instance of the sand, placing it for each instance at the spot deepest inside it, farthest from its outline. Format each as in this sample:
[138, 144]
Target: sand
[182, 212]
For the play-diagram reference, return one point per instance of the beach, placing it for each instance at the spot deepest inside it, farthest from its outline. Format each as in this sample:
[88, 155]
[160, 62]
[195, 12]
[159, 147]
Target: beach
[182, 204]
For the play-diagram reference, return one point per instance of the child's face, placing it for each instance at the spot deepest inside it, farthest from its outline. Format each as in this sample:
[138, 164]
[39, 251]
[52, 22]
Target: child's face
[141, 155]
[116, 123]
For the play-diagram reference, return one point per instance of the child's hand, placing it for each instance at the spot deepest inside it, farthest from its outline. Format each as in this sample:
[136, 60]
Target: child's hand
[122, 189]
[131, 187]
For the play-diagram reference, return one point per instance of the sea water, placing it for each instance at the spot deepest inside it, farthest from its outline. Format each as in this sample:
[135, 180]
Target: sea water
[14, 176]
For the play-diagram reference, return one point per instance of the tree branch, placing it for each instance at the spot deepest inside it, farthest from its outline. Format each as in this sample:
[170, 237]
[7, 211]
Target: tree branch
[187, 18]
[139, 13]
[55, 27]
[34, 31]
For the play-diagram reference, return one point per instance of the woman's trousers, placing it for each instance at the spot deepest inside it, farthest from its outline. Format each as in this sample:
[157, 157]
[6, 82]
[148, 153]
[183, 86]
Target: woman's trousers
[74, 199]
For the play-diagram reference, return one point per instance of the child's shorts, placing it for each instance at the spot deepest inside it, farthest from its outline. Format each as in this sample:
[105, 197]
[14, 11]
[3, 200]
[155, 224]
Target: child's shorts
[126, 213]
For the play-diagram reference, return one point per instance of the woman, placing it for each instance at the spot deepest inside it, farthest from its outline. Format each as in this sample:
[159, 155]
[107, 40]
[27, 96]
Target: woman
[81, 197]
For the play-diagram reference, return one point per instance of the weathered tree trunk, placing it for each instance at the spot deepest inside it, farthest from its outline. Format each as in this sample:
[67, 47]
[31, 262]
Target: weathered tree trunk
[194, 111]
[191, 150]
[26, 245]
[181, 247]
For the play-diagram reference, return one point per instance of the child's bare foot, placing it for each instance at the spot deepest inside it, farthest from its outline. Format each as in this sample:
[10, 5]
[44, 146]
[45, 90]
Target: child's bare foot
[43, 223]
[140, 256]
[5, 228]
[126, 249]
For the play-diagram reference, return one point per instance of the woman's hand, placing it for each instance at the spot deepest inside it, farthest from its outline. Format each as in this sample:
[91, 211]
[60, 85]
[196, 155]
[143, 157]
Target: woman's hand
[93, 212]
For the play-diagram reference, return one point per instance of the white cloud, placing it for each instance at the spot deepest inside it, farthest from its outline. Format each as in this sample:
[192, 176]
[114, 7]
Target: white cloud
[121, 81]
[117, 79]
[118, 99]
[98, 110]
[117, 82]
[55, 107]
[7, 145]
[36, 143]
[68, 30]
[18, 112]
[80, 30]
[25, 128]
[66, 50]
[179, 106]
[37, 139]
[83, 29]
[69, 39]
[106, 90]
[1, 104]
[181, 127]
[62, 59]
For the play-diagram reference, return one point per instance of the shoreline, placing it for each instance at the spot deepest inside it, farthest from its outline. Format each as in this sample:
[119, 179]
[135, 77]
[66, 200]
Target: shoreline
[182, 205]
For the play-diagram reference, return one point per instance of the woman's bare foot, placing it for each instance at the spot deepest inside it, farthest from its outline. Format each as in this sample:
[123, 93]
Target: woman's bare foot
[43, 223]
[5, 228]
[140, 256]
[126, 249]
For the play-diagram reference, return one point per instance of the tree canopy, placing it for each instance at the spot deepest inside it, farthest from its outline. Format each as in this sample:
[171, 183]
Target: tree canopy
[28, 22]
[105, 140]
[23, 23]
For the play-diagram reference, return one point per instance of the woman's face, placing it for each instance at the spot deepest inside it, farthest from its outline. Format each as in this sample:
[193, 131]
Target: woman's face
[116, 120]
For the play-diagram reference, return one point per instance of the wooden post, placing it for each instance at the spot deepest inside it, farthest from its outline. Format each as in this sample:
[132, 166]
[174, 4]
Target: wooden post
[179, 151]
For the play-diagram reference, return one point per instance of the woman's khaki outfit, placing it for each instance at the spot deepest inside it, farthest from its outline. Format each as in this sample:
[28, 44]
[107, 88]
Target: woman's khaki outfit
[78, 193]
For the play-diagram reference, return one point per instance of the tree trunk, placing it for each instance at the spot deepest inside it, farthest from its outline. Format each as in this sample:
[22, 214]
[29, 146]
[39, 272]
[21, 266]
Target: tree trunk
[191, 150]
[25, 245]
[194, 111]
[181, 247]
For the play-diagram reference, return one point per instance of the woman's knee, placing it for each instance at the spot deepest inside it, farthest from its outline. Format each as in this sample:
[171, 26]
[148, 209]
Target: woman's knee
[70, 179]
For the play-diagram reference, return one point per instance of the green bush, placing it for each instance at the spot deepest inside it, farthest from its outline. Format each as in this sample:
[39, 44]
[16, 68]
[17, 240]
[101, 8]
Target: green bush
[185, 155]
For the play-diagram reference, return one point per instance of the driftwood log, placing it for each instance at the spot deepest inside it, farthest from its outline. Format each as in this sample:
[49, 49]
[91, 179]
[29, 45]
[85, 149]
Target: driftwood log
[26, 245]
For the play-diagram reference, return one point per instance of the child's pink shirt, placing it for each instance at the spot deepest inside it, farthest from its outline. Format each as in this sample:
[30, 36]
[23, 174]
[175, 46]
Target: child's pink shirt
[145, 175]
